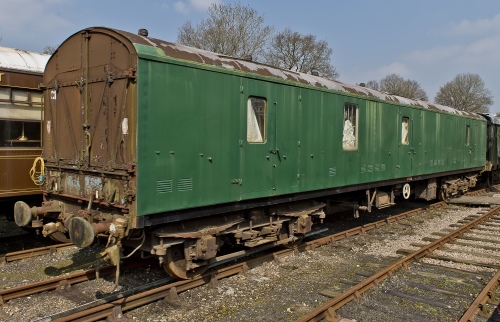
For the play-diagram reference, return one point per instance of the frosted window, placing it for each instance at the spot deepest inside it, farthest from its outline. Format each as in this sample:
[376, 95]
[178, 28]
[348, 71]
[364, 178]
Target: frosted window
[405, 128]
[350, 132]
[256, 120]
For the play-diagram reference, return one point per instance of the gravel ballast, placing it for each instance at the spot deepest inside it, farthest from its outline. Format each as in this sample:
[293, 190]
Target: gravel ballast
[282, 290]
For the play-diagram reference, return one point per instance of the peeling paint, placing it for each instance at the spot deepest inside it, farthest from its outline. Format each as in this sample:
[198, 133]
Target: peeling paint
[92, 183]
[72, 184]
[205, 57]
[125, 126]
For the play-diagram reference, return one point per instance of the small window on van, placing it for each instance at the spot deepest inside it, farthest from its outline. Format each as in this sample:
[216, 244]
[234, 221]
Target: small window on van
[256, 120]
[467, 135]
[405, 129]
[350, 132]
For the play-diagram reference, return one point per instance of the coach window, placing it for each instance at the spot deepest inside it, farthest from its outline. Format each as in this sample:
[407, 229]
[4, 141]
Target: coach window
[405, 129]
[15, 133]
[350, 133]
[467, 135]
[256, 120]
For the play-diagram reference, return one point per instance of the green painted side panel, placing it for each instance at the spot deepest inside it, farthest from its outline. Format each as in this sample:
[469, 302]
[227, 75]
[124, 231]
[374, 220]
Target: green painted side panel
[257, 163]
[193, 149]
[287, 156]
[378, 147]
[188, 137]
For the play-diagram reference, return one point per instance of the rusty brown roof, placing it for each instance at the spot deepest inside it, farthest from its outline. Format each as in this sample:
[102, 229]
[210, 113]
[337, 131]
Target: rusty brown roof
[205, 57]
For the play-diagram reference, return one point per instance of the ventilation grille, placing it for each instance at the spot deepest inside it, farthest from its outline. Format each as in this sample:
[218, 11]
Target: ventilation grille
[185, 184]
[163, 186]
[332, 172]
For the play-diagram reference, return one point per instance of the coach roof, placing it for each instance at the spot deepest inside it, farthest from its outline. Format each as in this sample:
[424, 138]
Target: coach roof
[205, 57]
[23, 60]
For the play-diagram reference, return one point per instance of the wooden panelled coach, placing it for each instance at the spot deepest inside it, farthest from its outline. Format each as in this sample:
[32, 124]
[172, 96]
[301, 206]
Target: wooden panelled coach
[21, 73]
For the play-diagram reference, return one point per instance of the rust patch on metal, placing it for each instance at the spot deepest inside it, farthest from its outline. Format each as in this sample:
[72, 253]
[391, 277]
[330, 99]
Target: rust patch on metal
[182, 52]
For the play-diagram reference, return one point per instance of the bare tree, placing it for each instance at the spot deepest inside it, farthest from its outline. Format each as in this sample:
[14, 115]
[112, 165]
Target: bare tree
[465, 92]
[397, 85]
[230, 29]
[373, 84]
[301, 53]
[49, 50]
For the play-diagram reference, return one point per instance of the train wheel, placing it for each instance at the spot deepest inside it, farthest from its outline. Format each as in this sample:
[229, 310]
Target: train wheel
[60, 237]
[175, 264]
[406, 191]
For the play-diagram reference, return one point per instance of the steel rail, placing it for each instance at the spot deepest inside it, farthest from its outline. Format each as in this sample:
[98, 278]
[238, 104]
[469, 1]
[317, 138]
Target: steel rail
[58, 282]
[74, 278]
[130, 302]
[479, 306]
[22, 254]
[327, 309]
[50, 284]
[101, 310]
[367, 227]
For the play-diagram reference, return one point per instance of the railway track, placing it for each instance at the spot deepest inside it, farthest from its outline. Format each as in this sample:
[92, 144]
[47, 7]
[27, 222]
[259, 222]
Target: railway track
[62, 282]
[400, 286]
[28, 253]
[16, 243]
[116, 304]
[113, 306]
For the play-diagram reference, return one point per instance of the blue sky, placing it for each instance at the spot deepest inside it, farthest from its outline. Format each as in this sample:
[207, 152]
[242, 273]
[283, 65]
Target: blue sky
[426, 41]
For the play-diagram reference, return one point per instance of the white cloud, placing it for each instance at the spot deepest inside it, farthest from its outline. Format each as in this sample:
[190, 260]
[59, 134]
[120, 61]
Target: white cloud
[394, 68]
[436, 54]
[181, 7]
[22, 22]
[203, 4]
[480, 51]
[186, 6]
[481, 26]
[24, 14]
[376, 74]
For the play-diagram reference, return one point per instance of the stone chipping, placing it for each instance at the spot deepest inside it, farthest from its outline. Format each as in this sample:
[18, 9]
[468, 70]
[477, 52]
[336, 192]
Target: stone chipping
[282, 290]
